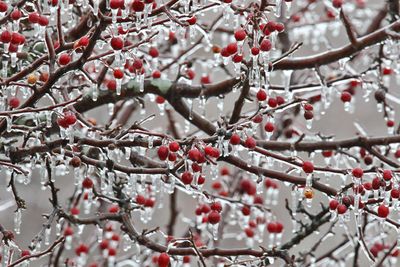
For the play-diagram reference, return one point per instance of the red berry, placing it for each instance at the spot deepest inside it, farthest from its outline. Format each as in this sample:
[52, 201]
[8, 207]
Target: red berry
[16, 14]
[386, 71]
[240, 35]
[33, 17]
[163, 260]
[112, 85]
[265, 45]
[237, 58]
[225, 171]
[194, 154]
[172, 156]
[357, 172]
[68, 231]
[205, 79]
[308, 167]
[345, 97]
[216, 206]
[70, 118]
[153, 52]
[327, 153]
[187, 178]
[117, 43]
[308, 115]
[261, 95]
[3, 6]
[5, 37]
[255, 51]
[192, 20]
[13, 102]
[191, 74]
[113, 208]
[141, 200]
[137, 64]
[387, 175]
[280, 100]
[246, 211]
[232, 48]
[258, 118]
[186, 259]
[333, 204]
[156, 74]
[272, 102]
[118, 74]
[383, 211]
[43, 21]
[115, 4]
[84, 41]
[112, 252]
[64, 59]
[376, 183]
[341, 209]
[214, 217]
[216, 185]
[137, 6]
[235, 139]
[280, 27]
[201, 180]
[87, 183]
[249, 232]
[163, 152]
[250, 142]
[74, 211]
[272, 227]
[82, 249]
[337, 3]
[395, 193]
[173, 146]
[269, 127]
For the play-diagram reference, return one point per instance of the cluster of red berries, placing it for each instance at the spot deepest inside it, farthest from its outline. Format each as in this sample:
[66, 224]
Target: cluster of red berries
[273, 102]
[146, 202]
[68, 119]
[34, 18]
[211, 212]
[379, 247]
[275, 227]
[14, 39]
[272, 26]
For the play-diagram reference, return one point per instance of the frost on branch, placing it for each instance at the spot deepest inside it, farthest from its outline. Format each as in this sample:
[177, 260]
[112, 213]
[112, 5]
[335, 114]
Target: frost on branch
[199, 133]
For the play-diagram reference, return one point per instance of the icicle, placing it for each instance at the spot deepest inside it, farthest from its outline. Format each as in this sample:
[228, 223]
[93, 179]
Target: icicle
[288, 8]
[17, 221]
[215, 231]
[190, 103]
[226, 14]
[220, 104]
[47, 233]
[5, 67]
[278, 8]
[141, 83]
[5, 255]
[110, 109]
[187, 126]
[114, 17]
[95, 92]
[119, 86]
[287, 77]
[9, 123]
